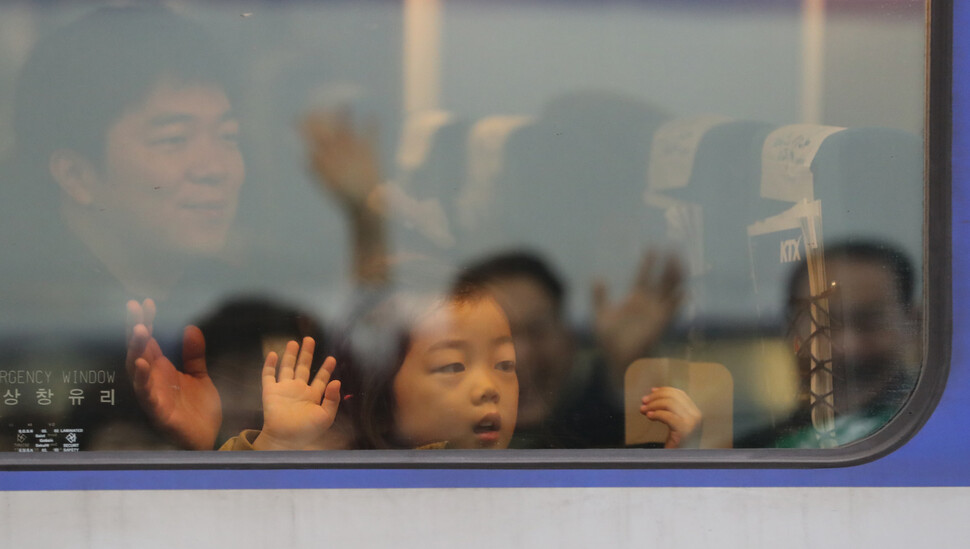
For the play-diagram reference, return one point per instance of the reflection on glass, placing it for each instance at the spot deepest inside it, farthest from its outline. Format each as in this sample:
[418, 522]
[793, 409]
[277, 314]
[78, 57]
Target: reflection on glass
[667, 227]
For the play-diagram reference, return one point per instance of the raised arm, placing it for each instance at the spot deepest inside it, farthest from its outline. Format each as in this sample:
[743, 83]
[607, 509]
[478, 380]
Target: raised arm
[297, 412]
[628, 329]
[184, 404]
[345, 162]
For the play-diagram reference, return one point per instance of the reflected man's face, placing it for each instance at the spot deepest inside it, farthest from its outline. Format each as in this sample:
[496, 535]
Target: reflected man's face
[872, 329]
[874, 339]
[172, 170]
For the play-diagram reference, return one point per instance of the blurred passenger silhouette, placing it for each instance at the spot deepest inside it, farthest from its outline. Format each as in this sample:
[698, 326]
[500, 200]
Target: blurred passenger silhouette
[430, 372]
[571, 396]
[573, 182]
[239, 335]
[129, 169]
[124, 121]
[875, 343]
[242, 332]
[343, 160]
[129, 166]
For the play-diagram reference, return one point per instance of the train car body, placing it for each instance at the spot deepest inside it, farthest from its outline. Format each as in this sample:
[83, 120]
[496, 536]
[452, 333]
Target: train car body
[901, 492]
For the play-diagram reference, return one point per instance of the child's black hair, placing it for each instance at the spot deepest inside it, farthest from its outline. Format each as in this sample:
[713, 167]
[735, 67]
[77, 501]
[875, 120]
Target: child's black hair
[369, 364]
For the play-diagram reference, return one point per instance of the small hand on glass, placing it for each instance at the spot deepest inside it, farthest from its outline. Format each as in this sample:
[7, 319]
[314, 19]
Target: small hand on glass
[297, 412]
[676, 410]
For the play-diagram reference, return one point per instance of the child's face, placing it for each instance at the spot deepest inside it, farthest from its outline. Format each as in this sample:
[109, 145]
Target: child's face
[457, 382]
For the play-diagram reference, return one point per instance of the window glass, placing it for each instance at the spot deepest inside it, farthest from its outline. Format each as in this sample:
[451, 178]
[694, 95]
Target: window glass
[539, 224]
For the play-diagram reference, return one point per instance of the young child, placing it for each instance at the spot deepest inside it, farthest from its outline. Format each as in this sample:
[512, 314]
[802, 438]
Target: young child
[452, 385]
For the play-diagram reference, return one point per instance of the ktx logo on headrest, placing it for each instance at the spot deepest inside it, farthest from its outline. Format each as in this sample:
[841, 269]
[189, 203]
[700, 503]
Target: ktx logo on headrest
[791, 250]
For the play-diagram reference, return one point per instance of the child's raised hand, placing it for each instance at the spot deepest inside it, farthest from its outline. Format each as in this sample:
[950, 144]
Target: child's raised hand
[677, 411]
[296, 411]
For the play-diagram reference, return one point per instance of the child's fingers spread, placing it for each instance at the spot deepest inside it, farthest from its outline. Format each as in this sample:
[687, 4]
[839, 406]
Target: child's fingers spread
[331, 399]
[332, 394]
[329, 365]
[269, 369]
[322, 378]
[304, 360]
[288, 361]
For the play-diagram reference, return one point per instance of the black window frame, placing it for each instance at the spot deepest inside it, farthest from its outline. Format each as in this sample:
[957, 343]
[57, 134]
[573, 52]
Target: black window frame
[937, 335]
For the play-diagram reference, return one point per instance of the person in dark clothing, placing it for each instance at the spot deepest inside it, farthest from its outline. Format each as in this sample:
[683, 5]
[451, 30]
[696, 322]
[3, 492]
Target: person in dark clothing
[128, 171]
[571, 397]
[874, 331]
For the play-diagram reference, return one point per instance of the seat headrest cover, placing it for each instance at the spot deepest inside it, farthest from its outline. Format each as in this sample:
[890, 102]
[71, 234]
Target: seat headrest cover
[674, 148]
[786, 161]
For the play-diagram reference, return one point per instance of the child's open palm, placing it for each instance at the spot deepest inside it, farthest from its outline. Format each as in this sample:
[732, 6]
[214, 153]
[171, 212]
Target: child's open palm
[296, 411]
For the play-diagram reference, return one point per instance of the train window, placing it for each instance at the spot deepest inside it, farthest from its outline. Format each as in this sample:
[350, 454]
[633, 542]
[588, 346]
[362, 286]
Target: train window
[632, 233]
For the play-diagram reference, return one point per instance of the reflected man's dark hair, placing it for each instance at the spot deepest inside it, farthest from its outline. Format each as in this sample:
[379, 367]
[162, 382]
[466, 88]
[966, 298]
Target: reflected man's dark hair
[79, 80]
[239, 325]
[368, 371]
[512, 264]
